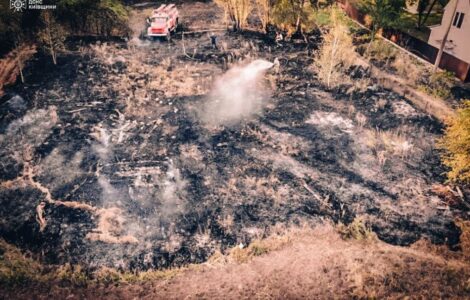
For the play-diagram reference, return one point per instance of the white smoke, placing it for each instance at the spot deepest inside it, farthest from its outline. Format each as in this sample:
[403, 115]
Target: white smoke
[173, 192]
[237, 95]
[28, 132]
[33, 128]
[103, 148]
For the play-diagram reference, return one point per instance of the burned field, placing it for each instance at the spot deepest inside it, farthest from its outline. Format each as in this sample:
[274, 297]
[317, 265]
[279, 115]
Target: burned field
[113, 158]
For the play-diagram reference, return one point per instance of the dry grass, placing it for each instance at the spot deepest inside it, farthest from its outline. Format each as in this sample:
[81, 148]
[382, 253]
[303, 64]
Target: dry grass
[385, 144]
[357, 230]
[465, 237]
[144, 77]
[240, 254]
[323, 262]
[13, 63]
[407, 68]
[361, 119]
[15, 267]
[226, 222]
[433, 105]
[242, 188]
[285, 143]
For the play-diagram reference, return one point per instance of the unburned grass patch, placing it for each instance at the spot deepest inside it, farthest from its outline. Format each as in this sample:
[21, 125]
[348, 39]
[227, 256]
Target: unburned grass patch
[16, 268]
[241, 254]
[356, 230]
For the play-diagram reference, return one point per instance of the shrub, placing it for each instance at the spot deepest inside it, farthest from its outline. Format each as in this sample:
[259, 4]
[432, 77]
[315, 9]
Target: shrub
[438, 84]
[382, 51]
[15, 268]
[258, 248]
[73, 274]
[456, 145]
[382, 14]
[293, 16]
[408, 68]
[356, 230]
[464, 237]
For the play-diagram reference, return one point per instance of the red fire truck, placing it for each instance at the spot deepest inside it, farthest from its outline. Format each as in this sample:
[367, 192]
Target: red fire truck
[163, 21]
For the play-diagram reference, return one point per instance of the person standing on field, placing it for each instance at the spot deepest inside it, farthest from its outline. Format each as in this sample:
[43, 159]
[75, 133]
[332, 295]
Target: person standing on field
[279, 38]
[213, 40]
[277, 65]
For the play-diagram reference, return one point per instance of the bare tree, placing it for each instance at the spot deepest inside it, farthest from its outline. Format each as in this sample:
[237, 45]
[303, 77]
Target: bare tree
[336, 53]
[264, 10]
[297, 7]
[22, 53]
[52, 36]
[236, 10]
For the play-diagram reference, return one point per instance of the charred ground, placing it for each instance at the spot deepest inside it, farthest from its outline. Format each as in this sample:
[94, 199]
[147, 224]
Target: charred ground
[115, 126]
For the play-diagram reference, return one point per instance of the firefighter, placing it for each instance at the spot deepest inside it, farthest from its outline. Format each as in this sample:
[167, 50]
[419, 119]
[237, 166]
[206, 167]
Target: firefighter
[279, 38]
[277, 65]
[213, 40]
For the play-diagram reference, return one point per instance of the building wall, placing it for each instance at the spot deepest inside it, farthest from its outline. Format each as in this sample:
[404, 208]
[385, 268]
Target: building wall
[458, 41]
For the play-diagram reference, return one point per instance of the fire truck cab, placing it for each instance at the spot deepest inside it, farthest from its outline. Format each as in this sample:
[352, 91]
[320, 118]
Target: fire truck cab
[163, 21]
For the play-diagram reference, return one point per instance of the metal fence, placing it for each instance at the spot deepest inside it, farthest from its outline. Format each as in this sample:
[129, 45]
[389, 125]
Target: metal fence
[416, 46]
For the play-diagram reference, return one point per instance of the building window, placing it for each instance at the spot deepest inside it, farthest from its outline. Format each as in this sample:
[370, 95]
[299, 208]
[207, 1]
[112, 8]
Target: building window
[458, 20]
[459, 23]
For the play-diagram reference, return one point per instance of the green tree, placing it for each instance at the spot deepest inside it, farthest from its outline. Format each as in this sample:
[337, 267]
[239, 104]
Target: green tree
[10, 28]
[382, 14]
[95, 17]
[422, 6]
[425, 8]
[294, 15]
[456, 145]
[79, 17]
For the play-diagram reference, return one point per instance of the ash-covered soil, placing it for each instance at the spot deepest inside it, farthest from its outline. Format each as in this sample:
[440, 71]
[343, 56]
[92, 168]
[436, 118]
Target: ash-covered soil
[107, 162]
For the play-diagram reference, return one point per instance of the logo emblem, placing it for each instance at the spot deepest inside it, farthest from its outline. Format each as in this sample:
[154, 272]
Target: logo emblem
[18, 5]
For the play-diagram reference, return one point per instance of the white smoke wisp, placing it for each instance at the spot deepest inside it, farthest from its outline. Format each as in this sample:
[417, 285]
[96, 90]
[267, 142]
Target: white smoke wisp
[237, 95]
[173, 192]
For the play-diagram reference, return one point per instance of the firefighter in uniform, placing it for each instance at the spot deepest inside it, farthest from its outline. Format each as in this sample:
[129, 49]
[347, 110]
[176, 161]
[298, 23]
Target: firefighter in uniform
[213, 40]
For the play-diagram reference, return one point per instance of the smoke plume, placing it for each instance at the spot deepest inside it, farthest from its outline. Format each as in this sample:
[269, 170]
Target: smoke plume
[237, 95]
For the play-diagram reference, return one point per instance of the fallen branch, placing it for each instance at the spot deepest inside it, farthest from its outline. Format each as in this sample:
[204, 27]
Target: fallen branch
[320, 199]
[40, 216]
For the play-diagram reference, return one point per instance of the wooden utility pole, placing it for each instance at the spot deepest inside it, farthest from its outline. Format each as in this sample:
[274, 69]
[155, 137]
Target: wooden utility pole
[444, 39]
